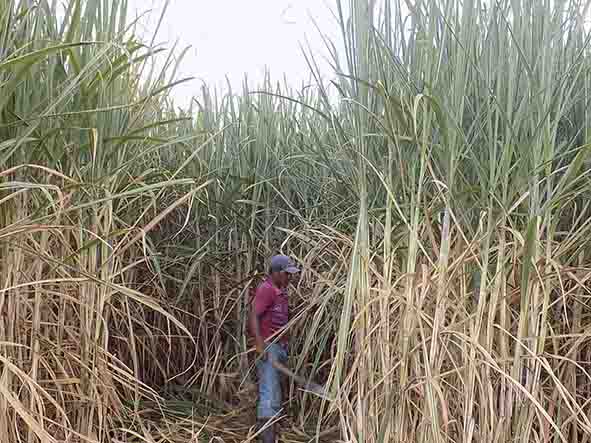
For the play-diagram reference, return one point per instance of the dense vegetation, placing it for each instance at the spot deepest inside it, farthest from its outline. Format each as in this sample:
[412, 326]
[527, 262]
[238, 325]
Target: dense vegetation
[439, 206]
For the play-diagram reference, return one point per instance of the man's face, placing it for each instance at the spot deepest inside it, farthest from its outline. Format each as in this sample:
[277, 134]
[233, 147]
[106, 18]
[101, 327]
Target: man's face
[281, 279]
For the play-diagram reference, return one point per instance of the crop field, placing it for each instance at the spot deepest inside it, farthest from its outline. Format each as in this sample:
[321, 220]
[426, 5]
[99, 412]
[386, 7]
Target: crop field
[436, 192]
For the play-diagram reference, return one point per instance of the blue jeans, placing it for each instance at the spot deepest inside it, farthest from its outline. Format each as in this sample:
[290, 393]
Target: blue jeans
[269, 380]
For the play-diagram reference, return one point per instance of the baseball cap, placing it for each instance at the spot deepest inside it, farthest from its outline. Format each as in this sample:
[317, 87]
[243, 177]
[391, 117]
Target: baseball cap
[282, 263]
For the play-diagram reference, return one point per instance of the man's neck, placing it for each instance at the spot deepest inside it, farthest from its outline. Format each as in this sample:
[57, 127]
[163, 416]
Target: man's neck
[274, 283]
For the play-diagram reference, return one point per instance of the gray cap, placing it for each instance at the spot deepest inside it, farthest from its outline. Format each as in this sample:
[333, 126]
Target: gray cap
[282, 263]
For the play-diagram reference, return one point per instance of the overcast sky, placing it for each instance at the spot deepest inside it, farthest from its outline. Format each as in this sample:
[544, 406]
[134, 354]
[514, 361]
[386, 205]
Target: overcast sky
[234, 37]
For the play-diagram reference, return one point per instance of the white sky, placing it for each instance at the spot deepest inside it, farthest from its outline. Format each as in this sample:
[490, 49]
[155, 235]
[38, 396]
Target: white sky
[237, 37]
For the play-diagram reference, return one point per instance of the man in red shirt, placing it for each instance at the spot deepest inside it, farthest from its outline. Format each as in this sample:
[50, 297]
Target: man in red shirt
[269, 315]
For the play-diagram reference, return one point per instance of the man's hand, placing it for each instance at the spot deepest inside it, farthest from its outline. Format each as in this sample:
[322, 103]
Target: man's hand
[260, 347]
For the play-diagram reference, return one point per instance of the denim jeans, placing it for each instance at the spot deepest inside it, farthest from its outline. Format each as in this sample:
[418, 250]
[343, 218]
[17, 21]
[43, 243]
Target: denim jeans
[269, 381]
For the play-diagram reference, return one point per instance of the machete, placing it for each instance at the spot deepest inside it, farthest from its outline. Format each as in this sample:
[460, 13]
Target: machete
[314, 388]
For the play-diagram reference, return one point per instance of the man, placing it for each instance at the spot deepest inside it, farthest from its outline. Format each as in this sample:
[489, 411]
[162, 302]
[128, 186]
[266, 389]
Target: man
[269, 315]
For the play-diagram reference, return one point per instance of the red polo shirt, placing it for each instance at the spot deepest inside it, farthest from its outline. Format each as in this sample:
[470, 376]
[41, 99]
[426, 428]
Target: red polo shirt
[271, 306]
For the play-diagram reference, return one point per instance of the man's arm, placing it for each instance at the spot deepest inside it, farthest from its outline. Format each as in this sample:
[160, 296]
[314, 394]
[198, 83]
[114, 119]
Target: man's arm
[256, 329]
[262, 300]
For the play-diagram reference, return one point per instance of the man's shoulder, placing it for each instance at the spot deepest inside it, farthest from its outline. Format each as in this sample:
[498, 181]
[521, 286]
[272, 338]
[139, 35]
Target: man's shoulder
[266, 288]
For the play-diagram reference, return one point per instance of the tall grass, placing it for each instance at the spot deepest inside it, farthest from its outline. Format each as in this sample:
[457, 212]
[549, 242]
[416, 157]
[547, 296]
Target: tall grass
[482, 107]
[439, 209]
